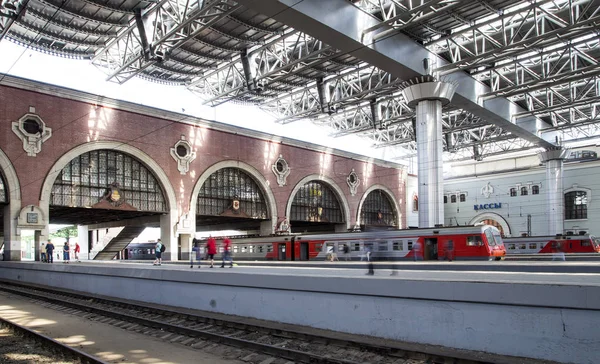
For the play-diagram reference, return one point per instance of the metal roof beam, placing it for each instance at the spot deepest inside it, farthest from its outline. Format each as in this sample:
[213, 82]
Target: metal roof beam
[341, 23]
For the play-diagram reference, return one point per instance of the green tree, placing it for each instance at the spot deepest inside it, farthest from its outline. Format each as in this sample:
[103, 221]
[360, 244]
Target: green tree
[66, 232]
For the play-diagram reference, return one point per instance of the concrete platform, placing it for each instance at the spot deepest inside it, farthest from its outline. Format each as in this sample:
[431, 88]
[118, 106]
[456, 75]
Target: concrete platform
[539, 315]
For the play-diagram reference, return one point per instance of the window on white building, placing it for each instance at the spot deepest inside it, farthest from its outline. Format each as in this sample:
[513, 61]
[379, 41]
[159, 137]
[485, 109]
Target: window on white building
[513, 192]
[524, 191]
[576, 205]
[535, 190]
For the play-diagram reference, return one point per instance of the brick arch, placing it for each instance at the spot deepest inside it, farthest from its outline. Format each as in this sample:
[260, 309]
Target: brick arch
[389, 194]
[152, 165]
[247, 168]
[10, 177]
[331, 183]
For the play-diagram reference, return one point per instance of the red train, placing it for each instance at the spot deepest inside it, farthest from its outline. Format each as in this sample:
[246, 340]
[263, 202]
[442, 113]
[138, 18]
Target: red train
[552, 244]
[446, 243]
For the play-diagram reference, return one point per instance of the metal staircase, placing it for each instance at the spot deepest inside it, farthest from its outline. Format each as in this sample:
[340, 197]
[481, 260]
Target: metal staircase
[119, 242]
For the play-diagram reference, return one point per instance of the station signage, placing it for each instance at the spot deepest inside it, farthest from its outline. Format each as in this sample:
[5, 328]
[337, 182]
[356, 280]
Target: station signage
[487, 206]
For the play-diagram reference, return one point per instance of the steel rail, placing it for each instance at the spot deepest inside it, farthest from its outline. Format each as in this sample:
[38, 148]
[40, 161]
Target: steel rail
[51, 343]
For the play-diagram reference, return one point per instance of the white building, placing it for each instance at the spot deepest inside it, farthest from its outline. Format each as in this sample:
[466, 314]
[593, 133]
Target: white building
[511, 194]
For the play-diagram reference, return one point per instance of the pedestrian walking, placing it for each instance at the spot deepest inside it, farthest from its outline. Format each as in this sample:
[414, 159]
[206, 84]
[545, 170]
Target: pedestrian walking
[77, 250]
[346, 252]
[66, 253]
[159, 249]
[227, 253]
[417, 251]
[211, 250]
[370, 265]
[50, 251]
[195, 252]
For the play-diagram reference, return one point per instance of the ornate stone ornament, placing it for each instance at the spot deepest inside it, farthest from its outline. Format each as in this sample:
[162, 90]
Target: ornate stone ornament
[283, 227]
[183, 155]
[353, 182]
[32, 130]
[487, 190]
[281, 170]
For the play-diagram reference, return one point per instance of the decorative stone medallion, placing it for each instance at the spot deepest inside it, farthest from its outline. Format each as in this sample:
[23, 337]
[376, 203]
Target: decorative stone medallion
[183, 154]
[281, 170]
[353, 182]
[487, 190]
[32, 130]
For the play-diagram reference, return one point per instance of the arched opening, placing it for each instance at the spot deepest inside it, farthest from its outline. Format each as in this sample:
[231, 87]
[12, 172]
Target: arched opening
[490, 218]
[231, 199]
[102, 186]
[377, 210]
[315, 207]
[4, 202]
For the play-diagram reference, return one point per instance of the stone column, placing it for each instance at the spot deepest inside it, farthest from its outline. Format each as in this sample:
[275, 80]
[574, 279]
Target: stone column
[168, 223]
[553, 158]
[12, 241]
[37, 245]
[429, 95]
[83, 240]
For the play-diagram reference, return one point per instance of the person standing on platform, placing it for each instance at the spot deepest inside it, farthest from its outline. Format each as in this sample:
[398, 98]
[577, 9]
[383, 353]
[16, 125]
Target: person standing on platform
[66, 252]
[50, 251]
[43, 255]
[77, 250]
[211, 250]
[227, 253]
[371, 266]
[158, 248]
[346, 252]
[196, 252]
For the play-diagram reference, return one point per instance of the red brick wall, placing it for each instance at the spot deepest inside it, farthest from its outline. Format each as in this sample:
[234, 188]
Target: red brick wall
[75, 123]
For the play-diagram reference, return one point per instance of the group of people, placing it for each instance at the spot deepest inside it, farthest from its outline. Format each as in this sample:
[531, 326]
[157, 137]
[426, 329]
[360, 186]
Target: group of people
[47, 254]
[211, 251]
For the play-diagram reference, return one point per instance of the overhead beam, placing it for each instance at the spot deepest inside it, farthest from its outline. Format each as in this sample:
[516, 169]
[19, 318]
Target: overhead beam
[342, 24]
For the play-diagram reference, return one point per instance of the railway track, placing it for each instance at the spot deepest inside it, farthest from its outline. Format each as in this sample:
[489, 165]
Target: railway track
[53, 345]
[256, 344]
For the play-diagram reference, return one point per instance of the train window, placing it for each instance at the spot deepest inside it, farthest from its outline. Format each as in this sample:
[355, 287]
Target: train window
[510, 247]
[235, 249]
[251, 248]
[397, 245]
[532, 246]
[329, 248]
[244, 248]
[269, 248]
[523, 246]
[524, 191]
[383, 246]
[513, 192]
[221, 249]
[260, 248]
[586, 243]
[410, 245]
[474, 240]
[356, 247]
[318, 247]
[535, 190]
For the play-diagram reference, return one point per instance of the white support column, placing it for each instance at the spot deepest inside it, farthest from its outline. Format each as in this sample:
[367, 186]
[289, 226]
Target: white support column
[429, 151]
[554, 190]
[428, 95]
[83, 240]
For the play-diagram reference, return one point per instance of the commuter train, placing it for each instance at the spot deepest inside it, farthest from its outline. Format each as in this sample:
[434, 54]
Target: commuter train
[552, 244]
[445, 243]
[139, 251]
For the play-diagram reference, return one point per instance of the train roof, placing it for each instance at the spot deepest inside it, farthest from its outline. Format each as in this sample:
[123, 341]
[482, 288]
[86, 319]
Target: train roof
[546, 238]
[397, 233]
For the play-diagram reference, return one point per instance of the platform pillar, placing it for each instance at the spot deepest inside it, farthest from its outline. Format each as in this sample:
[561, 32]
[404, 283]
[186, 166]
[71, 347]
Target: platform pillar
[83, 240]
[12, 241]
[553, 158]
[167, 235]
[428, 96]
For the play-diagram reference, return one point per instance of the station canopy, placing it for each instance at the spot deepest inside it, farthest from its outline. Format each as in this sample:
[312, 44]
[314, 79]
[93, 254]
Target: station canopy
[527, 71]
